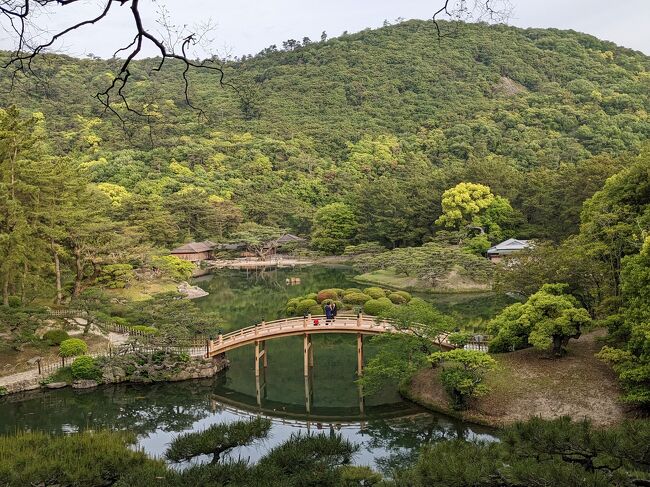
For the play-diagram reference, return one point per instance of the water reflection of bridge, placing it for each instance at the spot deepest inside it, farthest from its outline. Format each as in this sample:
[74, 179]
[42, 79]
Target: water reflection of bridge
[297, 420]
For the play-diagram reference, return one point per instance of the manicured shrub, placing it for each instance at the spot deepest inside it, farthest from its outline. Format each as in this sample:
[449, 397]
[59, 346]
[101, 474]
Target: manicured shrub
[55, 337]
[311, 296]
[352, 290]
[304, 306]
[316, 310]
[339, 292]
[396, 298]
[375, 292]
[356, 298]
[404, 294]
[376, 307]
[84, 367]
[72, 347]
[327, 294]
[292, 304]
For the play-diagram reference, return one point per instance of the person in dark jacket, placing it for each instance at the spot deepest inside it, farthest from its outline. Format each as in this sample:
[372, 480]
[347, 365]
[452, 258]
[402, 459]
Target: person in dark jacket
[328, 313]
[334, 311]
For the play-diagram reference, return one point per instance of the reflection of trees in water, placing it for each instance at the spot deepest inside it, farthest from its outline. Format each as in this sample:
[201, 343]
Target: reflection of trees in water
[243, 301]
[142, 409]
[404, 437]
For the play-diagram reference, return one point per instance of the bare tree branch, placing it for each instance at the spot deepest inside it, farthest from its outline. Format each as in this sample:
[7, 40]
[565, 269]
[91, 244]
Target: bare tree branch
[471, 11]
[19, 15]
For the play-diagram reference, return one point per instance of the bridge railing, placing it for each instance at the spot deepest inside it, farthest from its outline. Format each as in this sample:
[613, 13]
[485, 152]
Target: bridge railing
[342, 321]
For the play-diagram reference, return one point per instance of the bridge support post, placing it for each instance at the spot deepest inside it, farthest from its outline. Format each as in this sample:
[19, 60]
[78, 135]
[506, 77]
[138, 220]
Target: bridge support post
[308, 353]
[359, 354]
[260, 389]
[309, 393]
[260, 353]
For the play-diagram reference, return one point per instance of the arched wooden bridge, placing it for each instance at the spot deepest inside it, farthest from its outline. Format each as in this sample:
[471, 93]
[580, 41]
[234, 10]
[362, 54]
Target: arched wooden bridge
[307, 326]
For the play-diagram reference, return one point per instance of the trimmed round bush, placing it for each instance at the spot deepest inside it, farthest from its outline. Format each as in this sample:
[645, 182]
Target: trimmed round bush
[326, 294]
[375, 307]
[55, 337]
[304, 305]
[339, 292]
[375, 292]
[292, 304]
[84, 367]
[356, 298]
[352, 290]
[405, 295]
[316, 310]
[72, 347]
[311, 296]
[397, 298]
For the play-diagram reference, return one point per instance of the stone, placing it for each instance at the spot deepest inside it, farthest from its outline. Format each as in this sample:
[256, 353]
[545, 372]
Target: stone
[191, 292]
[81, 321]
[34, 360]
[84, 384]
[56, 385]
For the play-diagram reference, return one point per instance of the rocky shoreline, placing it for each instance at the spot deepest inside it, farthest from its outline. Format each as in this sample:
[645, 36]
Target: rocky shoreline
[136, 367]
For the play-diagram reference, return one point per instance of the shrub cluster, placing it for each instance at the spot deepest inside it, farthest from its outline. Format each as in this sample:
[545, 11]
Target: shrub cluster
[72, 347]
[84, 367]
[372, 300]
[55, 337]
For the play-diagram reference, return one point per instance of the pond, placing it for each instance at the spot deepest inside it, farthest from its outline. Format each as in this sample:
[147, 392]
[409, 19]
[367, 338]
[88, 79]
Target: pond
[388, 429]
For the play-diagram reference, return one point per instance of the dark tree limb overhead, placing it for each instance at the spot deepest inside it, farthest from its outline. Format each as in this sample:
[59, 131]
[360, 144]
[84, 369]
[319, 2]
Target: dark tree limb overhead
[22, 18]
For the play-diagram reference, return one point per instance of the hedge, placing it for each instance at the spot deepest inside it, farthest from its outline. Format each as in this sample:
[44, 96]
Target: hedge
[72, 347]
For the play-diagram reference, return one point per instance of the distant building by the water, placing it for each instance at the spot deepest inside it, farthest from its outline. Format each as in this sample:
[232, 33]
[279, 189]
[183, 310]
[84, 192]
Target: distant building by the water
[507, 247]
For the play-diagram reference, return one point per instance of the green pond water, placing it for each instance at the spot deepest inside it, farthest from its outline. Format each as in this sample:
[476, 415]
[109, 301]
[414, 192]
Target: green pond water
[388, 429]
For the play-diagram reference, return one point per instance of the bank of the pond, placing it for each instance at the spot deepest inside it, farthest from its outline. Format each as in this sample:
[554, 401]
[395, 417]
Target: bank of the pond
[526, 385]
[453, 283]
[136, 368]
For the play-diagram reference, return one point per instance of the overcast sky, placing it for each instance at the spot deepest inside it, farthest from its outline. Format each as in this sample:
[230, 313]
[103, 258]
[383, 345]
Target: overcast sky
[248, 26]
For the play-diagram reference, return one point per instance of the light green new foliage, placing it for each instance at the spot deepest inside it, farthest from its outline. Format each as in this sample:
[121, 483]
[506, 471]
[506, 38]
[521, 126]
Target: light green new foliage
[471, 204]
[463, 203]
[73, 347]
[172, 267]
[546, 321]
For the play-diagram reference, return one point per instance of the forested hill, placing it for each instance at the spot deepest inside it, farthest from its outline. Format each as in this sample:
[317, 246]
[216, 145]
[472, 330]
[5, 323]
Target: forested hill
[383, 120]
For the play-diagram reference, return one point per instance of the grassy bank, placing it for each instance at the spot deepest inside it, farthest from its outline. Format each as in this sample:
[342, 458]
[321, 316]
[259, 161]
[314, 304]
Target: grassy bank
[526, 385]
[453, 283]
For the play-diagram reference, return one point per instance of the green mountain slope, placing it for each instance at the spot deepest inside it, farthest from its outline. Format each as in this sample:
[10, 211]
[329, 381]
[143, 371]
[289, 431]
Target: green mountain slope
[383, 120]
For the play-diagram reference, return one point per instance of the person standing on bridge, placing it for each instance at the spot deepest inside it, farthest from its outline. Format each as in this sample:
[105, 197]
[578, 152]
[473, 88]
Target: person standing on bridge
[328, 313]
[334, 310]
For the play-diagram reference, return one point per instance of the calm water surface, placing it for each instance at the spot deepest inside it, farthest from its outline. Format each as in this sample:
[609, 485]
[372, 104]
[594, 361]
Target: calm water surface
[388, 429]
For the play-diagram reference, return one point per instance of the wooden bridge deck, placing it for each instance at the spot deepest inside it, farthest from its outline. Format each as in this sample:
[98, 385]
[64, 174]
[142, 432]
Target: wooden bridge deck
[364, 325]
